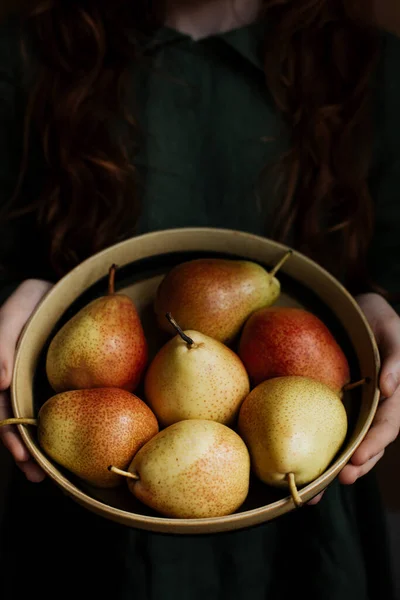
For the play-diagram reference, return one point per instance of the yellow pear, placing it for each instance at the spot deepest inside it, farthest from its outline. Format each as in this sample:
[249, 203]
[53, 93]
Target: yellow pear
[195, 377]
[293, 427]
[192, 469]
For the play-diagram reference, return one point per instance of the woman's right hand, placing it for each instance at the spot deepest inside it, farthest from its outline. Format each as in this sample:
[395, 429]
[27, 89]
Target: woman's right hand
[14, 313]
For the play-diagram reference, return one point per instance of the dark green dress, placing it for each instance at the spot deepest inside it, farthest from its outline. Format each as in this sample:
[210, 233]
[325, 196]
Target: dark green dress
[210, 128]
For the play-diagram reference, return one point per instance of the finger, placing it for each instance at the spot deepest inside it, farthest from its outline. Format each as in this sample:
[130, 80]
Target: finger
[12, 442]
[383, 432]
[385, 324]
[316, 499]
[389, 345]
[376, 310]
[351, 473]
[32, 471]
[389, 379]
[9, 435]
[13, 315]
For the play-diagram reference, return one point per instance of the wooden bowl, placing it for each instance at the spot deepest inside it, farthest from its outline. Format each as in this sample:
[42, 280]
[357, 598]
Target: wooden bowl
[142, 262]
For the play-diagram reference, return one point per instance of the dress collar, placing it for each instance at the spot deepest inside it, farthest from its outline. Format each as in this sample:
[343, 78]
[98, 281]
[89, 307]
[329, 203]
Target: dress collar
[247, 41]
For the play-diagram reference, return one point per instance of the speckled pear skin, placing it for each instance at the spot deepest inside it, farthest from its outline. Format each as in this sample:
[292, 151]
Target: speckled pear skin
[103, 345]
[85, 431]
[281, 341]
[214, 296]
[192, 469]
[205, 381]
[292, 425]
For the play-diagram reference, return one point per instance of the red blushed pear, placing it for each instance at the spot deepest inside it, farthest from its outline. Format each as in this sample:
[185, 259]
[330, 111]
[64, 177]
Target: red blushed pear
[215, 296]
[86, 430]
[103, 345]
[284, 341]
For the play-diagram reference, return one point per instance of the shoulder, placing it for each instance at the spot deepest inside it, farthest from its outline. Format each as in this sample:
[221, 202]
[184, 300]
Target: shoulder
[384, 177]
[389, 66]
[386, 96]
[11, 77]
[17, 66]
[10, 48]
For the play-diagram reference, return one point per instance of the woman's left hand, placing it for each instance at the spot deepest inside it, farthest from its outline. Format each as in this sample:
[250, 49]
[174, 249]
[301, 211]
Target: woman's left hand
[385, 324]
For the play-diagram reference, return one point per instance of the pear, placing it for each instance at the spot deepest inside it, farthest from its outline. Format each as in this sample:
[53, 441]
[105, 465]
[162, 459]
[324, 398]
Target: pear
[280, 341]
[192, 469]
[103, 345]
[194, 376]
[215, 296]
[86, 430]
[293, 427]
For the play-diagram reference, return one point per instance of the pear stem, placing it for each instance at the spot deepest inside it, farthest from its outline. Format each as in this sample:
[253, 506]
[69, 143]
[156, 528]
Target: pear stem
[356, 384]
[7, 422]
[281, 263]
[293, 490]
[183, 335]
[111, 280]
[124, 473]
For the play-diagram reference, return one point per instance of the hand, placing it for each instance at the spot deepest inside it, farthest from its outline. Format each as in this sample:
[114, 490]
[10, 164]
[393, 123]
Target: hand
[13, 315]
[385, 324]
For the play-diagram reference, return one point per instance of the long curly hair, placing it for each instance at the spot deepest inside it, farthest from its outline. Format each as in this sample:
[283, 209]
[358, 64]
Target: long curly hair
[319, 57]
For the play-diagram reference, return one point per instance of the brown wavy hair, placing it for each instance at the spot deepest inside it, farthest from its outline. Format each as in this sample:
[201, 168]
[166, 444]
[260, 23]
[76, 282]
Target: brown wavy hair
[319, 57]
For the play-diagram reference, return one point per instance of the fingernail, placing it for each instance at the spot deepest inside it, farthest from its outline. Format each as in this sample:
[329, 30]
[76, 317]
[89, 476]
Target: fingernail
[391, 384]
[18, 451]
[2, 376]
[22, 453]
[35, 474]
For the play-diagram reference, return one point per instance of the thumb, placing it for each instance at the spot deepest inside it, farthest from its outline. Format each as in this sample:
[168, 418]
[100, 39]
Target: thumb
[388, 338]
[385, 323]
[13, 315]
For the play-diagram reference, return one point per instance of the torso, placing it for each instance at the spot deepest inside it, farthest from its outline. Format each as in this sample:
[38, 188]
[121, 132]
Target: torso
[210, 128]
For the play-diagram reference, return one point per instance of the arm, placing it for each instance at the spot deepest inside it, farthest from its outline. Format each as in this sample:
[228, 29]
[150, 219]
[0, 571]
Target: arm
[385, 323]
[13, 315]
[22, 296]
[383, 316]
[384, 265]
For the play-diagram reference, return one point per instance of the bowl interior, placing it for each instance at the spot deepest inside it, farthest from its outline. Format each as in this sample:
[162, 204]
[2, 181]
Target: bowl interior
[306, 286]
